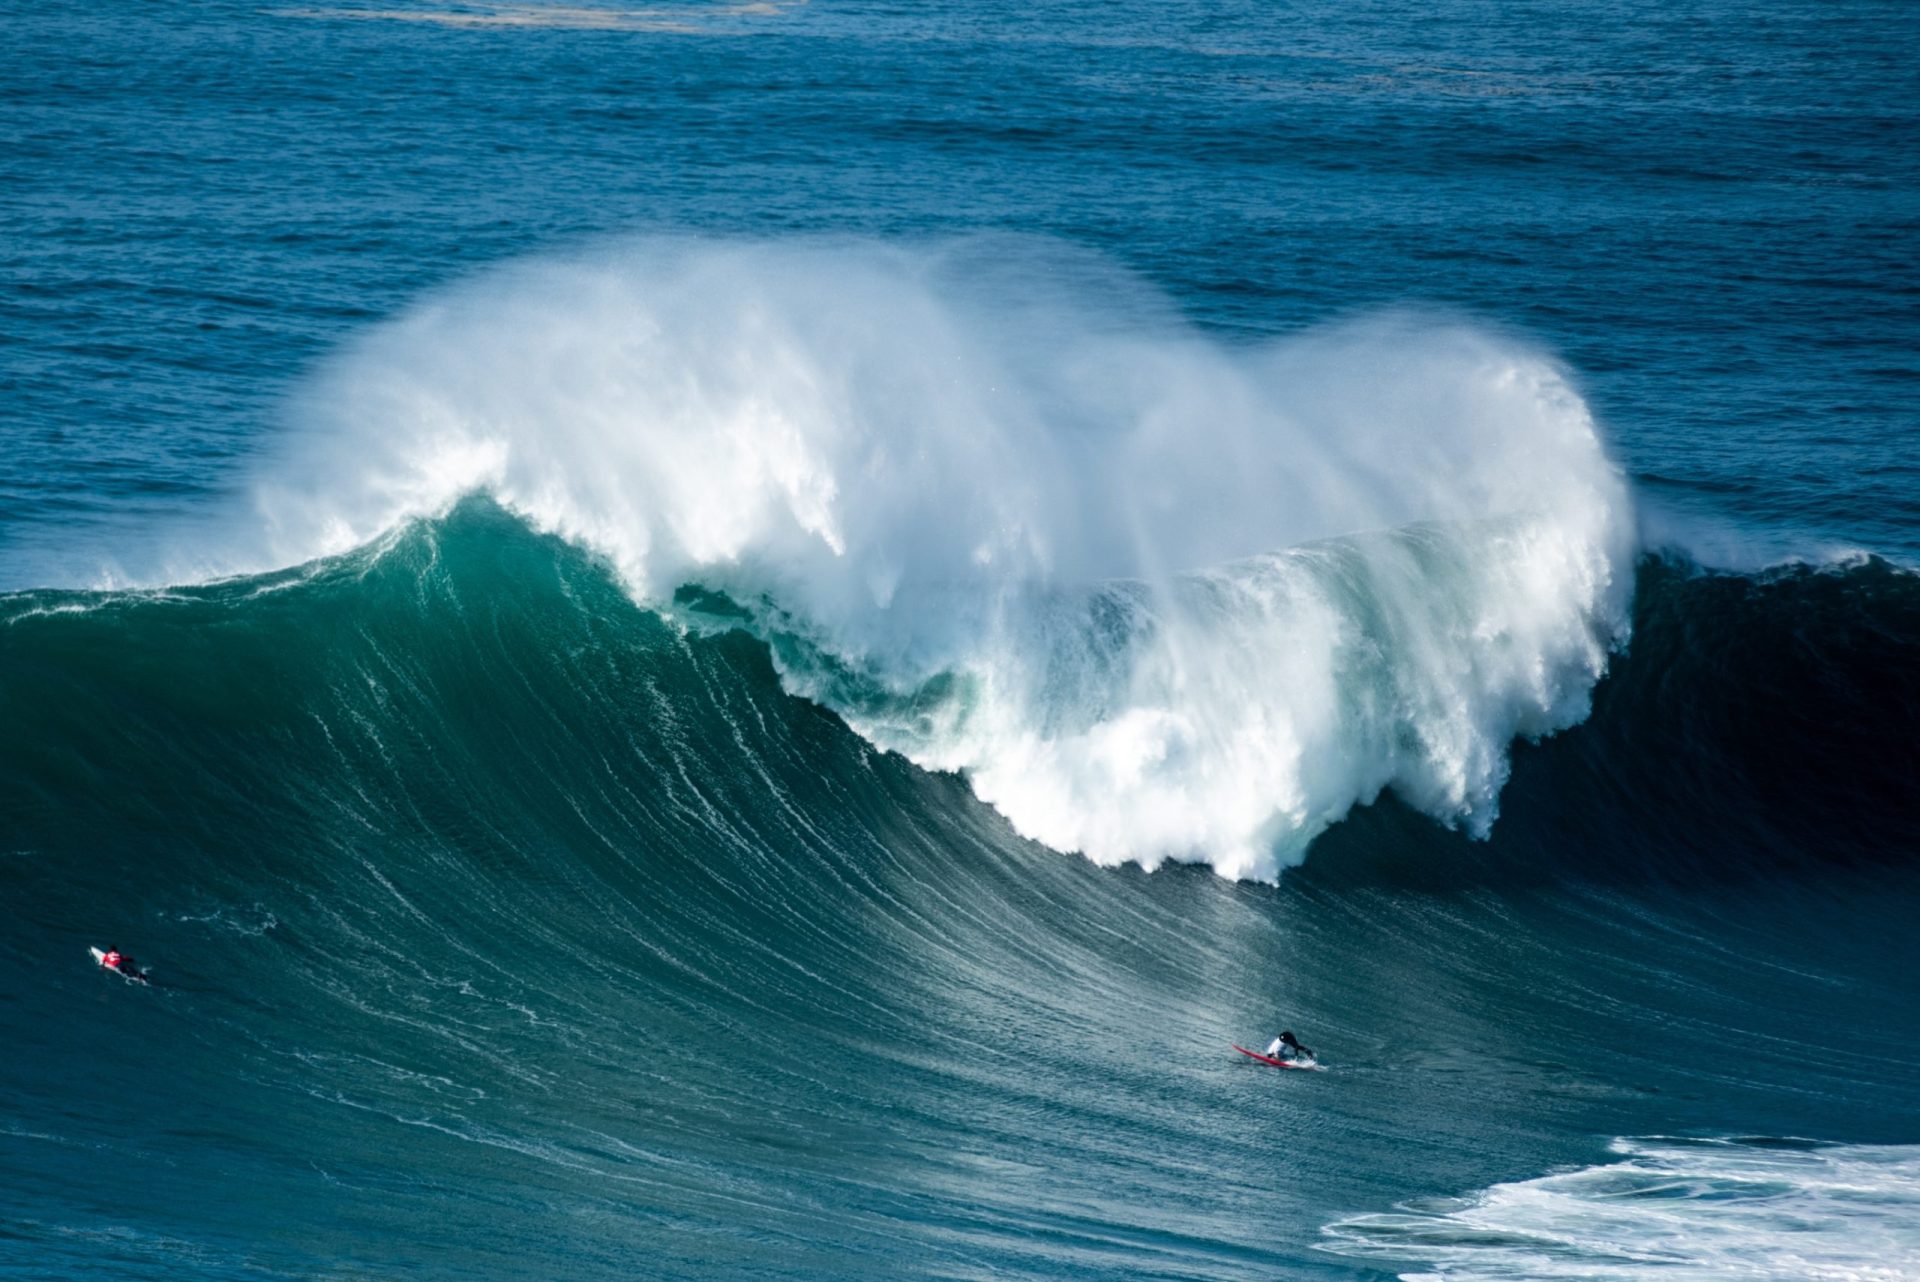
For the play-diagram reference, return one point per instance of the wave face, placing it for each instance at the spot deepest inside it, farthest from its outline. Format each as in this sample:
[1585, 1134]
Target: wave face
[479, 896]
[1155, 595]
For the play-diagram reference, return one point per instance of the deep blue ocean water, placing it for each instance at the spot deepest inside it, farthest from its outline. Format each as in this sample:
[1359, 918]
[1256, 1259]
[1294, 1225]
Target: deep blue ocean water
[578, 580]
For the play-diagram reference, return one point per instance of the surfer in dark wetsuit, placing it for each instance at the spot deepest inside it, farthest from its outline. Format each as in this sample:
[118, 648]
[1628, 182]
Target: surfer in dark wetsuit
[1287, 1046]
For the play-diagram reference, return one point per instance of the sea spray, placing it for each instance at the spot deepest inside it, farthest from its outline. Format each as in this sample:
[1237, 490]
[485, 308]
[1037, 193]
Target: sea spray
[1156, 594]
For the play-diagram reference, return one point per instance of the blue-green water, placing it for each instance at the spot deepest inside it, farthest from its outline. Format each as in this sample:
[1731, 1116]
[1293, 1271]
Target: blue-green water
[581, 579]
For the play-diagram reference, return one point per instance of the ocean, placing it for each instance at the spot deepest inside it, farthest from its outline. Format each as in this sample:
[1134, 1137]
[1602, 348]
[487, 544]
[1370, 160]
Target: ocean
[743, 639]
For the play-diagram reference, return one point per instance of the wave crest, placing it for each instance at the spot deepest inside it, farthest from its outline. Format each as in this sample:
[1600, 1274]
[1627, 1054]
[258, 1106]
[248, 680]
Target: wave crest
[1157, 595]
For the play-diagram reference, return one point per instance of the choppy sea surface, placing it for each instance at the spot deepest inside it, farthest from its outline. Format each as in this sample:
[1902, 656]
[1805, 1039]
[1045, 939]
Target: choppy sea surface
[717, 640]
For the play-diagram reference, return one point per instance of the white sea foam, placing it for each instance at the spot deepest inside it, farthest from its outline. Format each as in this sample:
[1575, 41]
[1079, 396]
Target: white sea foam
[1157, 594]
[1685, 1210]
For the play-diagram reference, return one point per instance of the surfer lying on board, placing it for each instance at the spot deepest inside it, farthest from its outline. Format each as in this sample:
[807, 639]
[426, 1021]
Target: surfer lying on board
[121, 964]
[1287, 1046]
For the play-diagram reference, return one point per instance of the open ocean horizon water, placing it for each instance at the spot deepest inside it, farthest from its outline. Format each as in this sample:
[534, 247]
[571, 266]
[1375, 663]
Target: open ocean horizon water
[706, 640]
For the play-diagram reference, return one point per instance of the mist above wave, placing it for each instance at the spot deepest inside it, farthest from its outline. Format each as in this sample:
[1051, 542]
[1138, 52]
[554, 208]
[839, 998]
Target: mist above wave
[1158, 595]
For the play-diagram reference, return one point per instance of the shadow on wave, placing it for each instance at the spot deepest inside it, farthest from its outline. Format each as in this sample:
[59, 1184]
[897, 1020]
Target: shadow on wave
[1757, 726]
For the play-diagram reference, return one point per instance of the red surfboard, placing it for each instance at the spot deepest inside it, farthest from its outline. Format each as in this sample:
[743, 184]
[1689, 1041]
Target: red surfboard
[1268, 1059]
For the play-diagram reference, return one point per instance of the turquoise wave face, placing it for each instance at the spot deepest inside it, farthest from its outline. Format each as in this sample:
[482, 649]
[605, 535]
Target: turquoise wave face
[476, 895]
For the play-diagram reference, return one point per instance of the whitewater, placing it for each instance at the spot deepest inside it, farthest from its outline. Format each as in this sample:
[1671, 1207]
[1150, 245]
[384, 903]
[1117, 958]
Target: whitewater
[1675, 1208]
[1157, 596]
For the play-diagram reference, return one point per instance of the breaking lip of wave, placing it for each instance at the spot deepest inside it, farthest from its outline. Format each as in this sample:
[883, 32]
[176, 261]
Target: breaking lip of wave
[1156, 595]
[1700, 1210]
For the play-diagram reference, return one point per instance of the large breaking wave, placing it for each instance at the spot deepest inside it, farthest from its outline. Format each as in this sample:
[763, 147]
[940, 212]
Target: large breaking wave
[1155, 594]
[475, 890]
